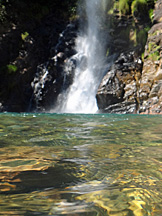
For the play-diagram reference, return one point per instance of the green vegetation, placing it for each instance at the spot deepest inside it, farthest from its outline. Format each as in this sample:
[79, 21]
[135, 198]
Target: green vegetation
[2, 12]
[142, 36]
[8, 69]
[154, 51]
[24, 35]
[143, 56]
[143, 8]
[155, 56]
[152, 47]
[11, 68]
[134, 35]
[139, 6]
[151, 15]
[134, 18]
[124, 6]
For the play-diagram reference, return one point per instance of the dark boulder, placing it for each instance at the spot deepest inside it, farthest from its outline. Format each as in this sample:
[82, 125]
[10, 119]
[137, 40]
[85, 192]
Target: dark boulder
[118, 91]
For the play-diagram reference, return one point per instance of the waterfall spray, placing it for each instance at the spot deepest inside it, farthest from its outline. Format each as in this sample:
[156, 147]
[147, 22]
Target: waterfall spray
[90, 44]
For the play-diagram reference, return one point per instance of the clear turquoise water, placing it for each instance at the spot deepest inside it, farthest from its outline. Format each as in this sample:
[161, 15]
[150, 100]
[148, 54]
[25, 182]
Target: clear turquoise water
[95, 165]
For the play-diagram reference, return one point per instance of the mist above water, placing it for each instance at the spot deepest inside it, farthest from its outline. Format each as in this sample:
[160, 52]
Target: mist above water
[91, 67]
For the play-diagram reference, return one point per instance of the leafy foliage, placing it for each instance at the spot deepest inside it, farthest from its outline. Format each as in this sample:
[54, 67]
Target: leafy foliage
[24, 35]
[154, 51]
[124, 6]
[11, 68]
[143, 8]
[2, 11]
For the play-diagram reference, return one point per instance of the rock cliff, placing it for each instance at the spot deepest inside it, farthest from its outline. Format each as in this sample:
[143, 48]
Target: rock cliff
[150, 90]
[134, 82]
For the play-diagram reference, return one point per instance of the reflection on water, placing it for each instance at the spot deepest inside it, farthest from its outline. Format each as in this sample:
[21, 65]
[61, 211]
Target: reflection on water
[95, 165]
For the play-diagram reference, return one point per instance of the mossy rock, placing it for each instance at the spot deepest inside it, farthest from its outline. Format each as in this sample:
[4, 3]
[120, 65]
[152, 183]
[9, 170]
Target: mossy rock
[124, 7]
[139, 7]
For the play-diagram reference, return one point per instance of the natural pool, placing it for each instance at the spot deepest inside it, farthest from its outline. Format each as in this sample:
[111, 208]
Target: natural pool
[95, 165]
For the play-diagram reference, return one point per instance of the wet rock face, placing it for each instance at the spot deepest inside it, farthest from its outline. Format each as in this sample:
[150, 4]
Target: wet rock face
[150, 92]
[118, 92]
[53, 76]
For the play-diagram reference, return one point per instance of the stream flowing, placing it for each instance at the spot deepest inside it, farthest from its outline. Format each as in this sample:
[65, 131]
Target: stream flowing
[71, 164]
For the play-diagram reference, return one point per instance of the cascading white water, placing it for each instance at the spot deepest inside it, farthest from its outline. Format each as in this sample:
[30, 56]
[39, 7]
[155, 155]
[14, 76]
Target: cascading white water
[81, 95]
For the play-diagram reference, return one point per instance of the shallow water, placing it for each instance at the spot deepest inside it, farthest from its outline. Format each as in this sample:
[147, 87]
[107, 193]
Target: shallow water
[78, 165]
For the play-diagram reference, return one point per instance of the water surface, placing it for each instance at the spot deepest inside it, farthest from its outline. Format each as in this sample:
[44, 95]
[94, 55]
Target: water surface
[95, 165]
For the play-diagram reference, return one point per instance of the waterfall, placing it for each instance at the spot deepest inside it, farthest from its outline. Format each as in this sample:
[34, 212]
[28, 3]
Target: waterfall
[90, 63]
